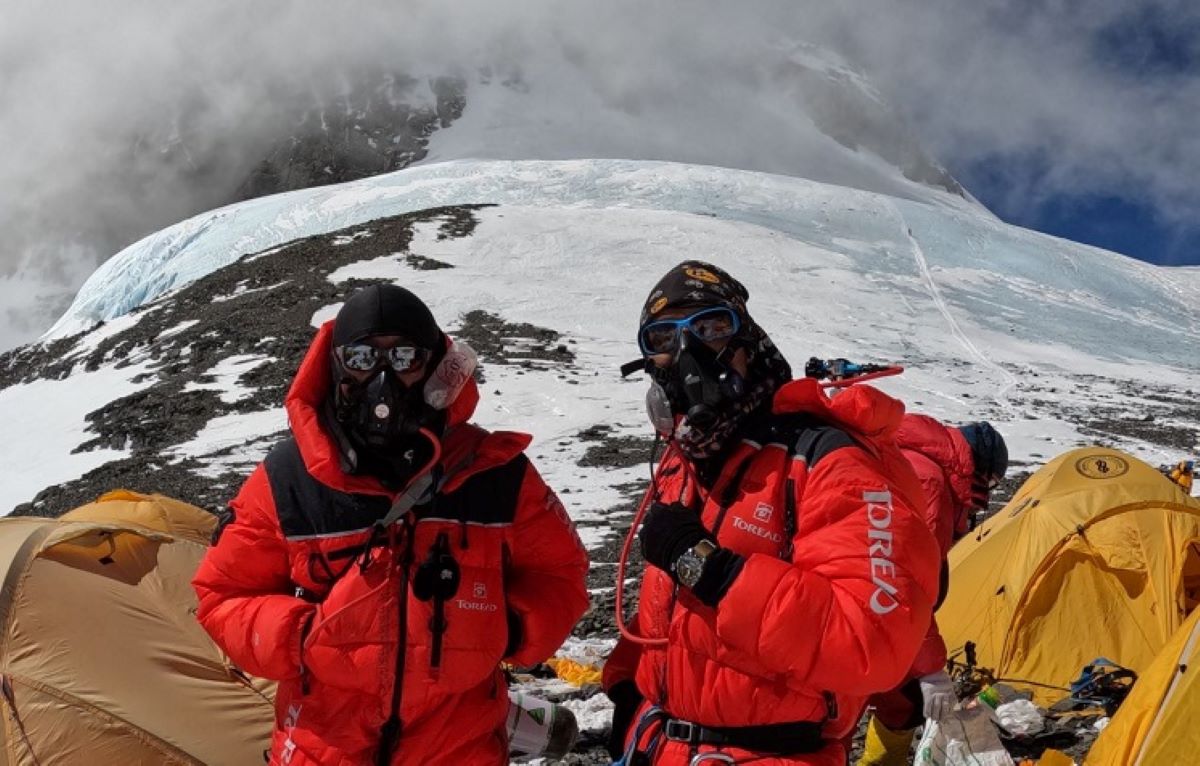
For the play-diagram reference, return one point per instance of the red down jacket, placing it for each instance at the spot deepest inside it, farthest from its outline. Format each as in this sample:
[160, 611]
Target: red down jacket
[804, 638]
[290, 594]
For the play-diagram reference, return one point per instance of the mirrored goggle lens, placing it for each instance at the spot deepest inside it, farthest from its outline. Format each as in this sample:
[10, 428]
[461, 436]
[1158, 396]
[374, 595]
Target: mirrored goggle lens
[709, 326]
[659, 337]
[713, 325]
[362, 357]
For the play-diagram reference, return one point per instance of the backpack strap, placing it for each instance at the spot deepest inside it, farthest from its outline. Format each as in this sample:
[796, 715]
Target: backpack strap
[809, 439]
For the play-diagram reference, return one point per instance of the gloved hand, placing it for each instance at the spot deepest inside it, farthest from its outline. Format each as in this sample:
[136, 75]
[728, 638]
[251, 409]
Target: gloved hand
[667, 532]
[937, 694]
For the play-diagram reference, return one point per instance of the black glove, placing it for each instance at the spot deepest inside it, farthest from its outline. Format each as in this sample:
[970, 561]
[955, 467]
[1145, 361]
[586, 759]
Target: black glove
[626, 698]
[721, 567]
[667, 532]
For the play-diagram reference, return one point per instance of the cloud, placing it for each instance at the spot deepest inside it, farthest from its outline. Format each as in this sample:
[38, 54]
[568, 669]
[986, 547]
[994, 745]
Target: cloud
[122, 117]
[1076, 98]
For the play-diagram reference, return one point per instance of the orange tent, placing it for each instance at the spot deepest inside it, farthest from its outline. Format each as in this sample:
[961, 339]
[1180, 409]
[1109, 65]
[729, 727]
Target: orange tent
[1097, 555]
[101, 658]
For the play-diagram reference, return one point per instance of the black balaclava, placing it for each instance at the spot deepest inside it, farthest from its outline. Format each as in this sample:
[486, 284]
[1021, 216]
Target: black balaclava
[380, 416]
[699, 384]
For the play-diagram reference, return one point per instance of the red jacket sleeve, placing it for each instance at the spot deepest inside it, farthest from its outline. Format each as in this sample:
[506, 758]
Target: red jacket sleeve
[547, 575]
[848, 613]
[245, 592]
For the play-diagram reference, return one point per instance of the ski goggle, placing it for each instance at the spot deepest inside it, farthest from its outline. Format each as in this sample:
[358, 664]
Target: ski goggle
[662, 336]
[363, 357]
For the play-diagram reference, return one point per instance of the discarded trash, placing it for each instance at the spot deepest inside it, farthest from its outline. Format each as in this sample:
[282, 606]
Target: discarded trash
[539, 727]
[1012, 710]
[966, 738]
[575, 673]
[1020, 717]
[998, 694]
[1104, 683]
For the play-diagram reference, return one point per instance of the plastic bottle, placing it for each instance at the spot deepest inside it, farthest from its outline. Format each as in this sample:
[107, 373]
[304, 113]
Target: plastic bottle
[539, 727]
[997, 694]
[452, 373]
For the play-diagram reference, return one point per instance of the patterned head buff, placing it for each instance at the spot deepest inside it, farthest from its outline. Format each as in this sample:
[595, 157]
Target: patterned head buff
[699, 284]
[695, 283]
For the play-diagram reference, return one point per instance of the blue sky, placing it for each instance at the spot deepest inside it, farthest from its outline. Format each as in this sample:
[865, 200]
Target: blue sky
[1118, 219]
[1150, 44]
[1080, 118]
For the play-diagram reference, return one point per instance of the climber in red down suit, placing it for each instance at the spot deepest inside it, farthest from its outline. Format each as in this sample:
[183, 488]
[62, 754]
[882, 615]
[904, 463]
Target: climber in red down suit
[958, 469]
[789, 573]
[384, 559]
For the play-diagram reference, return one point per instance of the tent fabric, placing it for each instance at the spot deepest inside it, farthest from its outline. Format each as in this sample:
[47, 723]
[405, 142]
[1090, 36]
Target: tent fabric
[1157, 724]
[1089, 559]
[101, 658]
[155, 512]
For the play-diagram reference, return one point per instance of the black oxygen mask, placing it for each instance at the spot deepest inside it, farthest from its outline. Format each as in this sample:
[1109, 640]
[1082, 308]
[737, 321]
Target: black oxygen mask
[710, 385]
[381, 413]
[699, 384]
[382, 409]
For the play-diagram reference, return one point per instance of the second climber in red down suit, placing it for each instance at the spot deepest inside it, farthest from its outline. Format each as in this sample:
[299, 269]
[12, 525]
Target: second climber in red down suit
[790, 574]
[958, 468]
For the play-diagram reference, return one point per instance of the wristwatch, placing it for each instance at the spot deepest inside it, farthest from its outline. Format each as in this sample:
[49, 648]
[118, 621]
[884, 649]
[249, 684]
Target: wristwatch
[690, 564]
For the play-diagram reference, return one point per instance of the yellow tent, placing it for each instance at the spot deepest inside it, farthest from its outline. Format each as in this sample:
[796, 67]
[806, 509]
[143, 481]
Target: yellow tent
[101, 658]
[1097, 555]
[1159, 722]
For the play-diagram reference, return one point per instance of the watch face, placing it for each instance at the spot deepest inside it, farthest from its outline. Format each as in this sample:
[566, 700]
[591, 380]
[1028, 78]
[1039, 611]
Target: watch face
[688, 568]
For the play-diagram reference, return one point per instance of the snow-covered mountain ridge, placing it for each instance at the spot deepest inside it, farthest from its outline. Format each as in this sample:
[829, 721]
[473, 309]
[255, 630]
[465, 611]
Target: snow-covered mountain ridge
[1058, 342]
[790, 108]
[1044, 279]
[178, 254]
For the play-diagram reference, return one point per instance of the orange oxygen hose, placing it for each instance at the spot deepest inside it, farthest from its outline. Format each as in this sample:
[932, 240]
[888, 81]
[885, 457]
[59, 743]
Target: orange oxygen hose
[637, 522]
[647, 501]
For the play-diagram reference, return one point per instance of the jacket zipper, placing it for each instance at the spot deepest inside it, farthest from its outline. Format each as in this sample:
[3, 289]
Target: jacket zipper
[437, 624]
[389, 734]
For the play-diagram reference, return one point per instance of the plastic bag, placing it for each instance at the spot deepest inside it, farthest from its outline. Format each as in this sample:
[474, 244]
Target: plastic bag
[966, 738]
[1020, 717]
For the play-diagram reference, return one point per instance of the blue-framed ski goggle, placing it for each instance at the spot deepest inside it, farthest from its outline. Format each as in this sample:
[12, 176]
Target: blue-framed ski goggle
[708, 325]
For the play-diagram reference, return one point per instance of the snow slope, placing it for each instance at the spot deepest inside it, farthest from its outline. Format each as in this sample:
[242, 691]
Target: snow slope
[179, 254]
